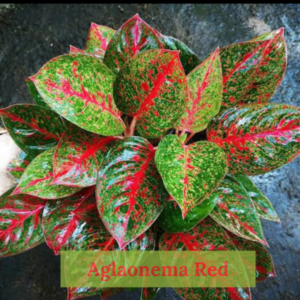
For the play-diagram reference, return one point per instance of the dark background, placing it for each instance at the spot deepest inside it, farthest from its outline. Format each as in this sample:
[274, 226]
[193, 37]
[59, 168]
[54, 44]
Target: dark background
[30, 35]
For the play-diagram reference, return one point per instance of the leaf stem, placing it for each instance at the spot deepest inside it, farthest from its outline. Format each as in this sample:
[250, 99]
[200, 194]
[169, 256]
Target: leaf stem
[189, 137]
[181, 133]
[132, 126]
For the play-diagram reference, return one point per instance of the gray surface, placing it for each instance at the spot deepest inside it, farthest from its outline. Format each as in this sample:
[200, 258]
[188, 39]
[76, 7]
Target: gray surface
[32, 34]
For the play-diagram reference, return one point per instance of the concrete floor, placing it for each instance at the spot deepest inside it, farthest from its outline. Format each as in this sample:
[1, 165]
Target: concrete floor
[32, 34]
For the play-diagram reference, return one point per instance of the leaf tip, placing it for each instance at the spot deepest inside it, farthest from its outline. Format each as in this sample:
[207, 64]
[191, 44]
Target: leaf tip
[16, 191]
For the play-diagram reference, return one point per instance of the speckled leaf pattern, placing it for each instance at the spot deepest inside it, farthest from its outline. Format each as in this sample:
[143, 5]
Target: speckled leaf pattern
[188, 58]
[262, 204]
[18, 165]
[20, 223]
[253, 70]
[236, 212]
[38, 177]
[133, 37]
[78, 156]
[206, 236]
[36, 97]
[214, 293]
[63, 218]
[130, 193]
[264, 263]
[170, 220]
[74, 50]
[80, 88]
[152, 88]
[257, 138]
[33, 128]
[98, 38]
[190, 172]
[204, 93]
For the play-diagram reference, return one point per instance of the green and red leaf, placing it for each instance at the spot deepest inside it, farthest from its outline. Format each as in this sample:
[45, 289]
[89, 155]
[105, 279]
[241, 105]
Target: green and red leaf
[37, 180]
[98, 38]
[190, 172]
[214, 293]
[236, 212]
[20, 223]
[80, 88]
[188, 58]
[152, 88]
[149, 293]
[78, 156]
[170, 220]
[130, 193]
[253, 70]
[18, 165]
[206, 236]
[204, 93]
[133, 37]
[264, 263]
[263, 206]
[257, 138]
[33, 128]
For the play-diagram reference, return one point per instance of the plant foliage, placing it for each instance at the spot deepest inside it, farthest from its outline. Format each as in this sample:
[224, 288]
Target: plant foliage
[134, 133]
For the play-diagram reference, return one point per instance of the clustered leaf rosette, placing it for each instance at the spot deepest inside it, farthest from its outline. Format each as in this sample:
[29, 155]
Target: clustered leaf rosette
[134, 140]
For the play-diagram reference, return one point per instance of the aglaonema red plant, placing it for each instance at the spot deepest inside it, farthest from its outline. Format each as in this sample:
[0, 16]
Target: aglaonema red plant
[134, 136]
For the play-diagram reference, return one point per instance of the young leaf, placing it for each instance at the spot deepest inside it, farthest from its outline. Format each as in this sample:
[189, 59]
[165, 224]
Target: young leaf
[33, 128]
[18, 165]
[152, 88]
[235, 211]
[190, 173]
[257, 138]
[98, 38]
[78, 156]
[264, 263]
[170, 220]
[188, 58]
[38, 177]
[133, 37]
[253, 70]
[80, 88]
[130, 193]
[20, 223]
[206, 236]
[263, 206]
[36, 97]
[205, 95]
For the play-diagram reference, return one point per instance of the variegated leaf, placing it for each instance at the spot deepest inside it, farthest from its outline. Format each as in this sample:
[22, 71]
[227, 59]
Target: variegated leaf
[152, 88]
[37, 180]
[264, 263]
[236, 212]
[98, 38]
[133, 37]
[20, 223]
[80, 88]
[204, 93]
[257, 138]
[130, 193]
[170, 220]
[206, 236]
[33, 128]
[190, 172]
[18, 165]
[78, 156]
[188, 58]
[263, 206]
[253, 70]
